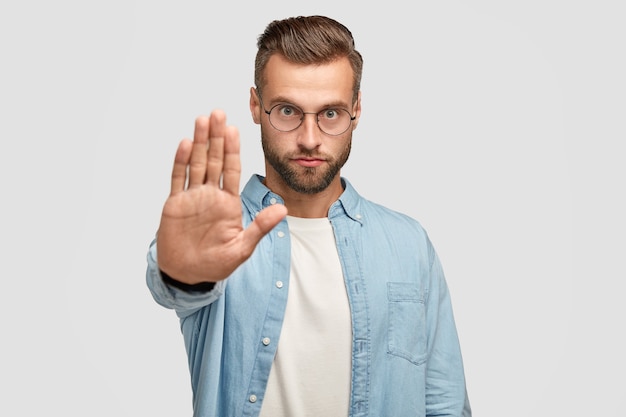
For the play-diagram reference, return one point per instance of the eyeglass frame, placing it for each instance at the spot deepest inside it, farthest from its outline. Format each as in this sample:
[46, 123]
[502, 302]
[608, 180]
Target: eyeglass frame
[317, 119]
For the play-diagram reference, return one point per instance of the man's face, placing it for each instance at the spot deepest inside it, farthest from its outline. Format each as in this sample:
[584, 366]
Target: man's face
[305, 160]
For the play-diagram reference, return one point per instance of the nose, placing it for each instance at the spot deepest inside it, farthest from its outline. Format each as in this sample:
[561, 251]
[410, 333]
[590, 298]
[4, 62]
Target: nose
[310, 135]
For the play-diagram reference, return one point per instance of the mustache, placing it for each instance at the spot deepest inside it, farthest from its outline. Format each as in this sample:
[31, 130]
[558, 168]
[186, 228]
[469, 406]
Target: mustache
[309, 154]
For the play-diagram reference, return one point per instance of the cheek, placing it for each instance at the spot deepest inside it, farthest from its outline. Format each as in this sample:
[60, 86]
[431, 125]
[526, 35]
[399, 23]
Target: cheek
[269, 141]
[340, 150]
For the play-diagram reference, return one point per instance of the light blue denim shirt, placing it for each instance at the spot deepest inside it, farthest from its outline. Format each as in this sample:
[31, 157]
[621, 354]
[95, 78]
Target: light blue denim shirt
[406, 359]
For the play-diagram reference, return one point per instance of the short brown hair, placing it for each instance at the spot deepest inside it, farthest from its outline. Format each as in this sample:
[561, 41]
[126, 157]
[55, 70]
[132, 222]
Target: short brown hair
[307, 40]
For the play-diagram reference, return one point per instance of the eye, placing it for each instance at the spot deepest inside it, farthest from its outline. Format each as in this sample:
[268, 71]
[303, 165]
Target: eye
[329, 114]
[287, 110]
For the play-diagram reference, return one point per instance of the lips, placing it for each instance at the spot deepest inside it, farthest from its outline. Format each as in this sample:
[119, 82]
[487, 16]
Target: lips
[309, 162]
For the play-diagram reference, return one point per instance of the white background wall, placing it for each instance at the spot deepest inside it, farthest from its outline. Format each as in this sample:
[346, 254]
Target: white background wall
[499, 125]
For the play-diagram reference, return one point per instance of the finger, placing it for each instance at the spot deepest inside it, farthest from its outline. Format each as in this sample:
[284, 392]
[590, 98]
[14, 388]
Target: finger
[179, 172]
[197, 164]
[215, 161]
[232, 161]
[265, 221]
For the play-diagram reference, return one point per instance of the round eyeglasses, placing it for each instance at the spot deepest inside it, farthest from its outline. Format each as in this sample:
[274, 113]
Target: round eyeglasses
[286, 117]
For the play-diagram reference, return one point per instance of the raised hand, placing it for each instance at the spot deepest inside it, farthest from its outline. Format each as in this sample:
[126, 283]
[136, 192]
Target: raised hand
[201, 237]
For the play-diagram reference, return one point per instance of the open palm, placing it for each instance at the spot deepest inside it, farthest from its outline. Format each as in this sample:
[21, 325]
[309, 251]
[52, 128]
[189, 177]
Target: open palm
[201, 237]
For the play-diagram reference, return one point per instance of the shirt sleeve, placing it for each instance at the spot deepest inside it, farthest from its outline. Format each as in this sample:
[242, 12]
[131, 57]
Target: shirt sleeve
[446, 393]
[183, 302]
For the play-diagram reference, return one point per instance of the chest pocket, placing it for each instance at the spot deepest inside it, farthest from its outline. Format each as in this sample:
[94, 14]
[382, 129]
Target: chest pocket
[407, 321]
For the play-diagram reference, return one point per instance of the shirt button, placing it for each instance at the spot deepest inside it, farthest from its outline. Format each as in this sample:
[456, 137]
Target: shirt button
[279, 284]
[252, 398]
[281, 234]
[266, 341]
[272, 200]
[358, 216]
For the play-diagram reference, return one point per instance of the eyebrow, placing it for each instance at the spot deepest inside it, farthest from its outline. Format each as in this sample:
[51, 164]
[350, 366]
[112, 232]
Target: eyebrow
[332, 104]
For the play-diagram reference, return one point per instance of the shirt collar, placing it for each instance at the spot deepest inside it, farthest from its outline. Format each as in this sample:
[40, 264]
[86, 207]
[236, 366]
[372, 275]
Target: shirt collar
[256, 196]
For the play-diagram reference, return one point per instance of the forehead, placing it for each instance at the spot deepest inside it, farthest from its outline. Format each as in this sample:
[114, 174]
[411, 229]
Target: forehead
[308, 84]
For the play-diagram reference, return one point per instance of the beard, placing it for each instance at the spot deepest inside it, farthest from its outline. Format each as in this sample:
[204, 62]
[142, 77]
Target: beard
[305, 180]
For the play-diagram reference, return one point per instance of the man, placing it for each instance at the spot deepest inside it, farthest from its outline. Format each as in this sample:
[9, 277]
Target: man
[299, 297]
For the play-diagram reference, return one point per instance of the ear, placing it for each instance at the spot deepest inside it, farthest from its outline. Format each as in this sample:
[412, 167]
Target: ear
[255, 106]
[357, 111]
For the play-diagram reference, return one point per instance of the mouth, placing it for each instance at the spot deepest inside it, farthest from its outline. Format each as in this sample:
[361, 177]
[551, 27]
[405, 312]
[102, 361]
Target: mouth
[308, 162]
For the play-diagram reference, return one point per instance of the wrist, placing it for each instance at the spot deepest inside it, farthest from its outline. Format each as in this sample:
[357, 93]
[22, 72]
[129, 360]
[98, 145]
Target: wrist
[200, 287]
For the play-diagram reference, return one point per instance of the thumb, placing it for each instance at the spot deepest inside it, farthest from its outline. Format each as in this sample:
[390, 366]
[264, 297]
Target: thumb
[265, 221]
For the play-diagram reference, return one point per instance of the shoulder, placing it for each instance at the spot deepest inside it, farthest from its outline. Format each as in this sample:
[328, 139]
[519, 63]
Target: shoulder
[355, 202]
[389, 217]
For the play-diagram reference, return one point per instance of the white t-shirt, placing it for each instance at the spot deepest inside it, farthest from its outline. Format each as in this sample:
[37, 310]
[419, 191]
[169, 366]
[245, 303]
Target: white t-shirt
[311, 373]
